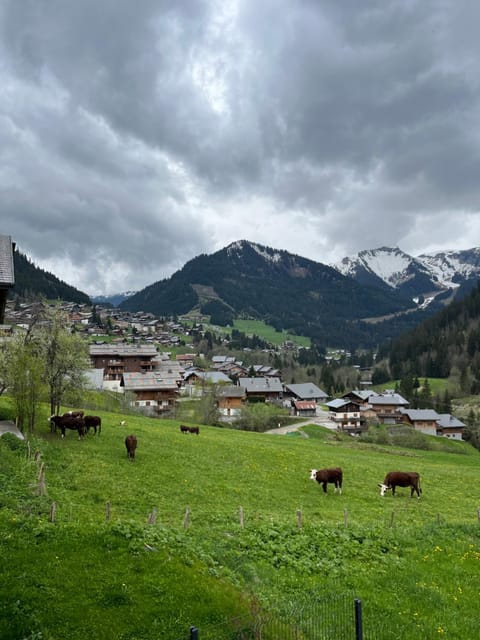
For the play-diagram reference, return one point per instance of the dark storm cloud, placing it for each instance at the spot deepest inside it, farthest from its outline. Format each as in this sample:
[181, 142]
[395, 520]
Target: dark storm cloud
[134, 136]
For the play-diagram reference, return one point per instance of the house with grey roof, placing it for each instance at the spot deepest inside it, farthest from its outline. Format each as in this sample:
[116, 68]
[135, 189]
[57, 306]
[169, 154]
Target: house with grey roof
[450, 427]
[155, 393]
[306, 391]
[7, 276]
[262, 389]
[424, 420]
[230, 399]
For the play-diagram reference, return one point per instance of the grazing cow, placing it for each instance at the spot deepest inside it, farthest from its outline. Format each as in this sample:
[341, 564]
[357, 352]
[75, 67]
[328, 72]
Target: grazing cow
[401, 479]
[93, 422]
[325, 476]
[68, 422]
[184, 428]
[131, 444]
[194, 430]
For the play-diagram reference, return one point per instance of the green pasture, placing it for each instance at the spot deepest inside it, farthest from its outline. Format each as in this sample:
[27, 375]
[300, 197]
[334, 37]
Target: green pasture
[414, 563]
[438, 386]
[269, 333]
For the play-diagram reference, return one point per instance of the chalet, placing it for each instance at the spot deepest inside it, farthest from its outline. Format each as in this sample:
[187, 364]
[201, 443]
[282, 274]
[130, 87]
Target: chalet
[153, 393]
[360, 396]
[348, 414]
[387, 406]
[230, 399]
[262, 389]
[117, 359]
[424, 420]
[450, 427]
[185, 359]
[7, 278]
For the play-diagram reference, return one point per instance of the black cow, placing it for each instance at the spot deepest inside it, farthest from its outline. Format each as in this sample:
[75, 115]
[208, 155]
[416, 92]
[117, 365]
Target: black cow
[131, 444]
[324, 476]
[194, 430]
[68, 422]
[93, 422]
[395, 479]
[184, 428]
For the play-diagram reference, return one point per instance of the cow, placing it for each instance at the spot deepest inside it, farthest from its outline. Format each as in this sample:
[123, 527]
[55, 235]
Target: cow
[395, 479]
[194, 430]
[93, 422]
[324, 476]
[184, 428]
[131, 444]
[73, 414]
[68, 422]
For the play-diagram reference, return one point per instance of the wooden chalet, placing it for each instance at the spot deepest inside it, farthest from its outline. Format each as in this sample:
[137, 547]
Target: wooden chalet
[349, 415]
[153, 393]
[424, 420]
[230, 399]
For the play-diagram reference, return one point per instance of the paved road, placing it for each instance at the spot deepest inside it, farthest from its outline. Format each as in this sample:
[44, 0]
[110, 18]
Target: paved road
[322, 418]
[7, 426]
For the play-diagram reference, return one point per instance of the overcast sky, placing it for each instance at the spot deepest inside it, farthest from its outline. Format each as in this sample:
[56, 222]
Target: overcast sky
[135, 135]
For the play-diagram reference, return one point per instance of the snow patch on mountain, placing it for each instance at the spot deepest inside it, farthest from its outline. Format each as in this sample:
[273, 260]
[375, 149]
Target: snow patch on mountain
[388, 264]
[268, 254]
[445, 266]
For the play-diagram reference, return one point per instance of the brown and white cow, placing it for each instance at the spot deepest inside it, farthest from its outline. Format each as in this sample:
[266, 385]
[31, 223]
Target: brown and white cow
[395, 479]
[324, 476]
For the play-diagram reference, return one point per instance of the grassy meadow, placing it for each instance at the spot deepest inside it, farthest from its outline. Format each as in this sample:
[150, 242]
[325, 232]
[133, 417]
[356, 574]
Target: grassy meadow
[414, 563]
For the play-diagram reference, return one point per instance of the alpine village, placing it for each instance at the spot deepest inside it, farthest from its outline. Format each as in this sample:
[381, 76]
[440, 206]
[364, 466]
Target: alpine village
[260, 446]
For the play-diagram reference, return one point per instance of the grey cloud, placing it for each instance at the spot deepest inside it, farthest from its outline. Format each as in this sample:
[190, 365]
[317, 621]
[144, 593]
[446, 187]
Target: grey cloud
[127, 128]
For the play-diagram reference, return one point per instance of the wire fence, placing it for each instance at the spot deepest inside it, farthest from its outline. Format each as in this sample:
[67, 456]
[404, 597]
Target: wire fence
[336, 617]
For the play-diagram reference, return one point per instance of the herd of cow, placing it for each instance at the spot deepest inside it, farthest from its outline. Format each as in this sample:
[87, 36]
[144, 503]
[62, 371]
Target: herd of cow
[392, 480]
[77, 421]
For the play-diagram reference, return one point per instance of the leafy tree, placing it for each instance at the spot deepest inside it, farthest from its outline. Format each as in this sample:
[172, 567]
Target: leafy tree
[65, 358]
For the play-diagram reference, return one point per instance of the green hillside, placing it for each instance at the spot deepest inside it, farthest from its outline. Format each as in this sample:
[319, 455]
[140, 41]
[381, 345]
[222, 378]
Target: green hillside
[413, 563]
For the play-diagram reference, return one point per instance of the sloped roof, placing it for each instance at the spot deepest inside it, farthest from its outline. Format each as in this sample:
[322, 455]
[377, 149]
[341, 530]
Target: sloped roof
[150, 380]
[230, 391]
[123, 350]
[420, 414]
[261, 385]
[305, 405]
[7, 276]
[306, 390]
[387, 399]
[447, 421]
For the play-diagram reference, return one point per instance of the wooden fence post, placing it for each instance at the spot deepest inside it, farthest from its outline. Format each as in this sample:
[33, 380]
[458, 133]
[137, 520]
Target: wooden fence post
[41, 486]
[345, 518]
[152, 518]
[478, 513]
[107, 511]
[240, 514]
[392, 518]
[299, 518]
[53, 511]
[186, 518]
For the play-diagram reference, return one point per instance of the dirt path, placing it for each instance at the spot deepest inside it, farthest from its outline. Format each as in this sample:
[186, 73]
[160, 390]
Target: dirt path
[322, 418]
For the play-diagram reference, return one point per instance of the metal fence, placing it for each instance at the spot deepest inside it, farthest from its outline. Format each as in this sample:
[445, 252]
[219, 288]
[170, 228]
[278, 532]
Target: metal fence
[331, 618]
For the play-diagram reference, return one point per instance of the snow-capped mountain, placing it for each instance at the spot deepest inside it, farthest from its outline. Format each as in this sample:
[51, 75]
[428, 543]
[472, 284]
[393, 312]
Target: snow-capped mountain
[424, 276]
